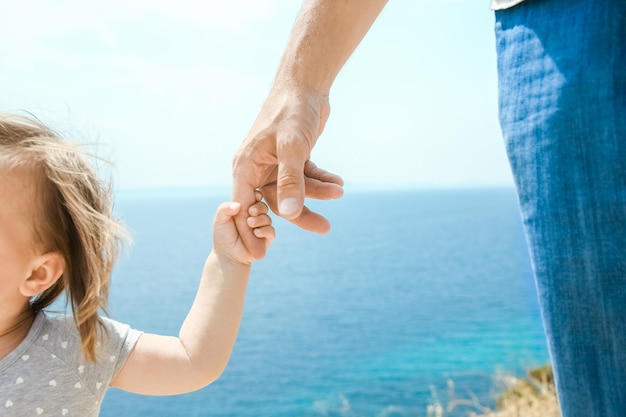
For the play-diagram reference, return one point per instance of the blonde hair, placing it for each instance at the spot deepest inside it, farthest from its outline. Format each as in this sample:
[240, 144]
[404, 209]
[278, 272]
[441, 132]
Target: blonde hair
[75, 220]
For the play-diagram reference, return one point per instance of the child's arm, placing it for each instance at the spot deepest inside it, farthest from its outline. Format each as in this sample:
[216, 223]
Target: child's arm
[162, 365]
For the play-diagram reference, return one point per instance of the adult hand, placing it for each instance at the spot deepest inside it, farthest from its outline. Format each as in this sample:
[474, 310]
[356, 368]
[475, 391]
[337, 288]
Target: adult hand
[274, 157]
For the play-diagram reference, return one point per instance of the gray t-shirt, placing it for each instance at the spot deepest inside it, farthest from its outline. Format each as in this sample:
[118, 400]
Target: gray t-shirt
[47, 374]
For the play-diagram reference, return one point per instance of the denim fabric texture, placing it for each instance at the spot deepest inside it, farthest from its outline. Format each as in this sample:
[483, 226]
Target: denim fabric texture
[562, 97]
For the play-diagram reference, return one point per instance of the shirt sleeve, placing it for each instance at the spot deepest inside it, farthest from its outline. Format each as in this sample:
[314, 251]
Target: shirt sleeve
[115, 345]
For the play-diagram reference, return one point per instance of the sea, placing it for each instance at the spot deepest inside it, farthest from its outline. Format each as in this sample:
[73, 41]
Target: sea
[417, 303]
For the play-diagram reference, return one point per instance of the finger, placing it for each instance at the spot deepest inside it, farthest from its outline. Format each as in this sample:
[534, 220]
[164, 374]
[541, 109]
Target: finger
[314, 188]
[311, 221]
[320, 190]
[292, 155]
[244, 194]
[313, 171]
[258, 209]
[307, 220]
[259, 221]
[266, 232]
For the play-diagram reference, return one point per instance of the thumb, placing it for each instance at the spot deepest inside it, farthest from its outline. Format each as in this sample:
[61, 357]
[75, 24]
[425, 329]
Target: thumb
[226, 212]
[290, 181]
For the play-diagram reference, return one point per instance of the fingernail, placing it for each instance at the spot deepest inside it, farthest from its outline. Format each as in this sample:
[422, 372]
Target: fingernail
[288, 206]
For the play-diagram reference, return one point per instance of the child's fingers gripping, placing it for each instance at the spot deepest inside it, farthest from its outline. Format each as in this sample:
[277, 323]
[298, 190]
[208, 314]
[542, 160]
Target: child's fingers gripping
[258, 209]
[259, 215]
[260, 220]
[265, 232]
[262, 226]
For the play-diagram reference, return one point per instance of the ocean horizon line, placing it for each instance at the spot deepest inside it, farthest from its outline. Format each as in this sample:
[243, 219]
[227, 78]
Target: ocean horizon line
[225, 190]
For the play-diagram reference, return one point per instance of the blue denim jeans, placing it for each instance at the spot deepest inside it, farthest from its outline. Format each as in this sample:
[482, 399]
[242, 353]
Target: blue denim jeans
[562, 83]
[562, 94]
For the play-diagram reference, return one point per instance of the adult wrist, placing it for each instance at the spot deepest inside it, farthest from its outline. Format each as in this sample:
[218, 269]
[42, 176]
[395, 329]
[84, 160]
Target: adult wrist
[299, 80]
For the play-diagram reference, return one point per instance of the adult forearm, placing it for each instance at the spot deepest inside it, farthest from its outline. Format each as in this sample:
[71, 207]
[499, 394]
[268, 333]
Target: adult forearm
[324, 36]
[210, 329]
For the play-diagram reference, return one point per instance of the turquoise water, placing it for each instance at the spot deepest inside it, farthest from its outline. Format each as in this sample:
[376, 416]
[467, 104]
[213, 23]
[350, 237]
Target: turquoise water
[412, 295]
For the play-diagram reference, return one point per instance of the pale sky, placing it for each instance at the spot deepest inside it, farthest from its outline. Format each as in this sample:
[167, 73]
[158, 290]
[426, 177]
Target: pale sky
[169, 89]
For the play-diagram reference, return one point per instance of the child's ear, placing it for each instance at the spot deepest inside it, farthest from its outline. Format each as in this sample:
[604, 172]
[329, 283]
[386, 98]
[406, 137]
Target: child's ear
[46, 272]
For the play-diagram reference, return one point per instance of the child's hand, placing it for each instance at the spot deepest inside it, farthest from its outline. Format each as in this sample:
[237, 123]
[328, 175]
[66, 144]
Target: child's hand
[226, 238]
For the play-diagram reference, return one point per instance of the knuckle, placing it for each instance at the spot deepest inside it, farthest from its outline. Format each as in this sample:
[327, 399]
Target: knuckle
[289, 180]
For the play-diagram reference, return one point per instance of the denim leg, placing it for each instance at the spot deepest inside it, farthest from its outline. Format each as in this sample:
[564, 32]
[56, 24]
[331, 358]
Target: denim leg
[562, 83]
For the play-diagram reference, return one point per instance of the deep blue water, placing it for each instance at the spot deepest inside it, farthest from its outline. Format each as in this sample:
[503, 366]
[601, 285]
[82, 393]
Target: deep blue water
[411, 292]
